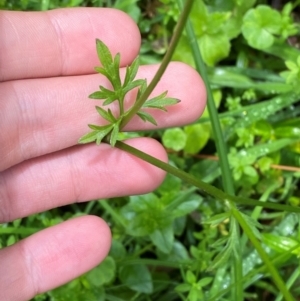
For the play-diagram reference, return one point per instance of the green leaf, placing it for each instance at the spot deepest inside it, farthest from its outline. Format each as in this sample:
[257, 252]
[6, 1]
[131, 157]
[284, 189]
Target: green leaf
[103, 273]
[197, 135]
[281, 244]
[214, 48]
[160, 101]
[107, 115]
[204, 281]
[132, 85]
[114, 133]
[253, 225]
[116, 75]
[186, 207]
[217, 219]
[183, 287]
[222, 258]
[146, 117]
[174, 138]
[131, 71]
[163, 239]
[98, 95]
[190, 277]
[104, 54]
[137, 278]
[259, 25]
[97, 135]
[89, 137]
[102, 71]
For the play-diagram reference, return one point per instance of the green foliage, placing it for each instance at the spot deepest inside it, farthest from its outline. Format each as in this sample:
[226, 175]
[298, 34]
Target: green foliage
[175, 244]
[111, 70]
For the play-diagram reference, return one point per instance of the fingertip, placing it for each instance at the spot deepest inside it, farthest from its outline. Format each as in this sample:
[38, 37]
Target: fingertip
[190, 89]
[153, 176]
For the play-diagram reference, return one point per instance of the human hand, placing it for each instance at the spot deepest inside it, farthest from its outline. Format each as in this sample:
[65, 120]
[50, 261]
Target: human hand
[46, 73]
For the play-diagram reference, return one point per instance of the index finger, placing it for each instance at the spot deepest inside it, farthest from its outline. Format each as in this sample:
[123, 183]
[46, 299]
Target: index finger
[62, 41]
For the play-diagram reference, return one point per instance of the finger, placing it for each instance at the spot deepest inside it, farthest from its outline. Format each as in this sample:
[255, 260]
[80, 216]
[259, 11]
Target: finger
[45, 115]
[52, 257]
[77, 174]
[62, 41]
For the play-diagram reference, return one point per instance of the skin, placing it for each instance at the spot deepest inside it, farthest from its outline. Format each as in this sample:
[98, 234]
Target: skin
[46, 74]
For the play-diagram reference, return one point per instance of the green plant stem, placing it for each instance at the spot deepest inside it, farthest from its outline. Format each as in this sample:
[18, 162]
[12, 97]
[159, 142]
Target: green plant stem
[174, 41]
[294, 277]
[237, 269]
[220, 195]
[19, 231]
[117, 218]
[204, 188]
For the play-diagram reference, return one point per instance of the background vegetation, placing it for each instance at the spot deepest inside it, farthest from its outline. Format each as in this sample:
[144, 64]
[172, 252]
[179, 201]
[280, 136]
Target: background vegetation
[174, 243]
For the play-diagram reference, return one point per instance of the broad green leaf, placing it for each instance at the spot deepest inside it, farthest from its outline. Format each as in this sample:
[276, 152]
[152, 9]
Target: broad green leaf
[197, 136]
[170, 184]
[178, 253]
[186, 207]
[104, 54]
[145, 214]
[259, 25]
[174, 138]
[117, 250]
[146, 117]
[195, 294]
[190, 277]
[103, 273]
[163, 238]
[214, 48]
[107, 115]
[183, 287]
[137, 278]
[205, 281]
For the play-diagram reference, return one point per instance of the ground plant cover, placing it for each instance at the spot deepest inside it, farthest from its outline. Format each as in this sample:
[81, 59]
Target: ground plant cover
[224, 224]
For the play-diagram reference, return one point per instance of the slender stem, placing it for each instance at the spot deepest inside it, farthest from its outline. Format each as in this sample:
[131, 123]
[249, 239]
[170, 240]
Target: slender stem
[202, 186]
[177, 34]
[20, 231]
[293, 278]
[117, 218]
[237, 268]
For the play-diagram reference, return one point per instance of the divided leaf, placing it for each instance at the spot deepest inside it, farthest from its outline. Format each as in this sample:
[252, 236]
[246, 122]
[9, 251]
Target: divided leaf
[146, 117]
[160, 101]
[107, 115]
[111, 70]
[131, 71]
